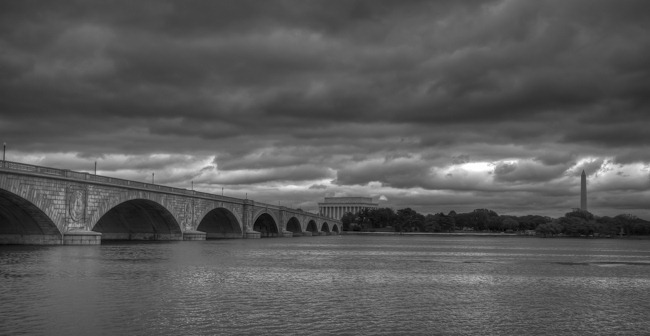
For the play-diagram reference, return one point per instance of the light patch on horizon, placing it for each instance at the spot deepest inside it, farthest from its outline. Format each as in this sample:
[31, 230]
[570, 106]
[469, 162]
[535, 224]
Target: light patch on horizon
[620, 177]
[478, 167]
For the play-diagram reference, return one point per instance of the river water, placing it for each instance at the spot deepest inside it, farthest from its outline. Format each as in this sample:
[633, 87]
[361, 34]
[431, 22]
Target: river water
[329, 285]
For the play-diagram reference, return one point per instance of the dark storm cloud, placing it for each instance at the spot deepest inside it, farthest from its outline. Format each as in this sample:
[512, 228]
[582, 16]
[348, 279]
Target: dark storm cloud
[398, 173]
[269, 158]
[633, 155]
[527, 171]
[555, 157]
[221, 64]
[402, 93]
[253, 176]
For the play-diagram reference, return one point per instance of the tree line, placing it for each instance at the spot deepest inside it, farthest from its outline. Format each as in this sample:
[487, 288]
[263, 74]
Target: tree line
[575, 223]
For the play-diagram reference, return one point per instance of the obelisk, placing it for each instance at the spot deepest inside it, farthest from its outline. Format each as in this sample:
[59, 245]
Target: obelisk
[583, 191]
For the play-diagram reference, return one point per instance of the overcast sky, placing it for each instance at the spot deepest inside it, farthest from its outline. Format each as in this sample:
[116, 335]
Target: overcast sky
[434, 105]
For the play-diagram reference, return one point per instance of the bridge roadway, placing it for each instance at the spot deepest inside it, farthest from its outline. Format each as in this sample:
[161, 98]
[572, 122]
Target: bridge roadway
[42, 205]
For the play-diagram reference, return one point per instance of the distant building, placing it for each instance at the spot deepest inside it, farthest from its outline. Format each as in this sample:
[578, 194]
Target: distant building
[583, 191]
[336, 207]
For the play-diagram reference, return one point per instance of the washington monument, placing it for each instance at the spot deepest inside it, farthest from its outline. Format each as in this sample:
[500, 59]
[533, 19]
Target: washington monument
[583, 191]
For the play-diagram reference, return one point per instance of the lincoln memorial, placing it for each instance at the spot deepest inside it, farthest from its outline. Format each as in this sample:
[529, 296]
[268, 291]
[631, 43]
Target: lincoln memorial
[336, 207]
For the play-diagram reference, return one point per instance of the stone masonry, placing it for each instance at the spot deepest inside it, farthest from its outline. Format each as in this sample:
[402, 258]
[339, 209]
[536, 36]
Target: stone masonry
[42, 205]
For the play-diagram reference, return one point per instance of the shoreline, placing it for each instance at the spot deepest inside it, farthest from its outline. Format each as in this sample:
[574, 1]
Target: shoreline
[478, 234]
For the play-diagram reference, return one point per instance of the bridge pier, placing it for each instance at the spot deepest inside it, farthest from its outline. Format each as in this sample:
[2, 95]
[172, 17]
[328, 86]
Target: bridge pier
[302, 234]
[287, 234]
[223, 235]
[141, 236]
[29, 239]
[82, 237]
[253, 234]
[194, 235]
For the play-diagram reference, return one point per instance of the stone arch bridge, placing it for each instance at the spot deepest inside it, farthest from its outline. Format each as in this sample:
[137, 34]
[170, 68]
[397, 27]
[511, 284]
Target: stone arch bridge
[42, 205]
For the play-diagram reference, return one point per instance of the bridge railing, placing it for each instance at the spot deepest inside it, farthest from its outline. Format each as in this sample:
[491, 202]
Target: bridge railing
[280, 207]
[267, 205]
[32, 168]
[84, 176]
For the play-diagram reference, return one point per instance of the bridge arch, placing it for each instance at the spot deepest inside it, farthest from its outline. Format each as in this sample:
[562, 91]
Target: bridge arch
[335, 228]
[138, 219]
[220, 223]
[312, 227]
[22, 222]
[325, 228]
[294, 226]
[266, 225]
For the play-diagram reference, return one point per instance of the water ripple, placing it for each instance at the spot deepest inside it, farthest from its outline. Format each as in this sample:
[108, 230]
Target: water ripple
[329, 286]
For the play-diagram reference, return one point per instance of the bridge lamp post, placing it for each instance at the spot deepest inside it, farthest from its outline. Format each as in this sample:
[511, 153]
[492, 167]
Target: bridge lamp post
[152, 180]
[4, 150]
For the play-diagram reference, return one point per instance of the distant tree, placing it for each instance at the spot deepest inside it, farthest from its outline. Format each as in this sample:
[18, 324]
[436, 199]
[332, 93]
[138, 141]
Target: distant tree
[530, 222]
[632, 225]
[574, 225]
[465, 220]
[432, 223]
[439, 223]
[485, 219]
[382, 217]
[549, 229]
[607, 226]
[347, 220]
[579, 213]
[448, 223]
[409, 220]
[363, 219]
[509, 223]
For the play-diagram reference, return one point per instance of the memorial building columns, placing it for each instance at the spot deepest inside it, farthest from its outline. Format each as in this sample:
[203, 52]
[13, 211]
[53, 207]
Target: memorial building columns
[337, 207]
[338, 211]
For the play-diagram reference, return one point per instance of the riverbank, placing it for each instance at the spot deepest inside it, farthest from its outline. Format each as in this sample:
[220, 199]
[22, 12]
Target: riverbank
[479, 234]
